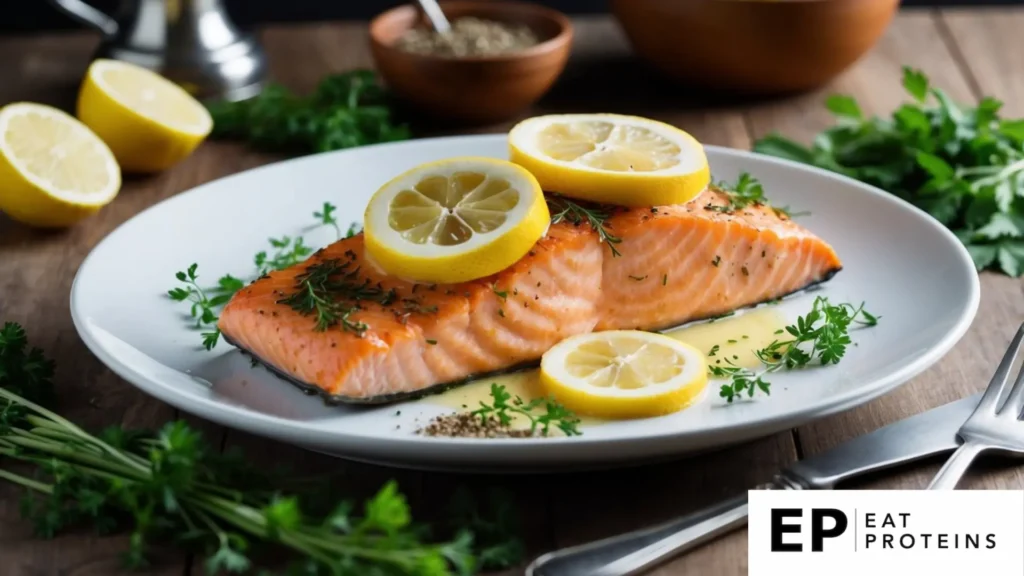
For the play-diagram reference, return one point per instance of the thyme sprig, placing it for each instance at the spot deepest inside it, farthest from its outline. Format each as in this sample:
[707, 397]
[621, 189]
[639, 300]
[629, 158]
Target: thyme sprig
[596, 217]
[332, 292]
[543, 413]
[821, 335]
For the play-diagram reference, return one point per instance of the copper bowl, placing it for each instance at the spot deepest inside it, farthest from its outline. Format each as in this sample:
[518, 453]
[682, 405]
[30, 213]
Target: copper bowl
[754, 45]
[476, 89]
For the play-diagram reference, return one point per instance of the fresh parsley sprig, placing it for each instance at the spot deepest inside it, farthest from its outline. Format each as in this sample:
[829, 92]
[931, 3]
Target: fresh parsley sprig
[541, 412]
[963, 165]
[346, 110]
[596, 217]
[822, 335]
[746, 191]
[206, 303]
[170, 486]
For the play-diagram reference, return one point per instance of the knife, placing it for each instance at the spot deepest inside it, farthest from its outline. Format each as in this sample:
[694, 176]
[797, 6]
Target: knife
[920, 436]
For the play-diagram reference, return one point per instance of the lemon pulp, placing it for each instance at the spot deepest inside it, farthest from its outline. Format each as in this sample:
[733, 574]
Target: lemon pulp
[603, 145]
[53, 170]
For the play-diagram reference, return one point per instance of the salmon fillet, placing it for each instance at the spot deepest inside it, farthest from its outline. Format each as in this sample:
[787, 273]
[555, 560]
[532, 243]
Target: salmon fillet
[338, 326]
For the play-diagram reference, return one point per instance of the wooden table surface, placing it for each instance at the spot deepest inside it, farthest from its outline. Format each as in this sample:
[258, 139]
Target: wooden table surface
[970, 53]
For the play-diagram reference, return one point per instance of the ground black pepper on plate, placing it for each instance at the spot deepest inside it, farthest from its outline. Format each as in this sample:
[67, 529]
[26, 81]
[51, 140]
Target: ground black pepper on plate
[469, 425]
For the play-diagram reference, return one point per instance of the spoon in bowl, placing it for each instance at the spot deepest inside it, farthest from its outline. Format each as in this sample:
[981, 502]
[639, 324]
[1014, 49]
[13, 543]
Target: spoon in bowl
[435, 15]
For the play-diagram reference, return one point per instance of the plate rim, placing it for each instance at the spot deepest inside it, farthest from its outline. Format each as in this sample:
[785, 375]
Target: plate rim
[293, 431]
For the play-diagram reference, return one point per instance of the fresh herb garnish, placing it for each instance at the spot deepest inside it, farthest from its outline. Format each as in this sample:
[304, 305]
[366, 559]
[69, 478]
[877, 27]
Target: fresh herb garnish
[326, 216]
[332, 291]
[541, 412]
[562, 208]
[287, 252]
[962, 165]
[205, 303]
[747, 191]
[171, 486]
[503, 294]
[345, 110]
[822, 334]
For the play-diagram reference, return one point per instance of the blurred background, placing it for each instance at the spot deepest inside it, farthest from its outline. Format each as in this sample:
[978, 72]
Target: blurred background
[33, 15]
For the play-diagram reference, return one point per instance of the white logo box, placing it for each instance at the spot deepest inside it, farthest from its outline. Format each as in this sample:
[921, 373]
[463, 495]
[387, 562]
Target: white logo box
[899, 532]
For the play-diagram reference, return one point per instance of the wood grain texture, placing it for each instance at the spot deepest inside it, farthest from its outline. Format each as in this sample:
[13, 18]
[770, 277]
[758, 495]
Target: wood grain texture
[36, 270]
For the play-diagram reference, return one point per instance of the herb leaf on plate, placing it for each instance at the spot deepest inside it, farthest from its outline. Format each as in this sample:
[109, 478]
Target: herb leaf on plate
[542, 413]
[963, 165]
[823, 334]
[205, 303]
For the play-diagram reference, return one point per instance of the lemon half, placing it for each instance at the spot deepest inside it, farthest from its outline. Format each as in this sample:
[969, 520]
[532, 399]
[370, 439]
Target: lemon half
[149, 122]
[455, 220]
[53, 170]
[610, 158]
[623, 374]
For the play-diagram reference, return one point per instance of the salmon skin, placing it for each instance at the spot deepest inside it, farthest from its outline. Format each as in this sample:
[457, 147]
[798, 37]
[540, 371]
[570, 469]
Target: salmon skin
[338, 326]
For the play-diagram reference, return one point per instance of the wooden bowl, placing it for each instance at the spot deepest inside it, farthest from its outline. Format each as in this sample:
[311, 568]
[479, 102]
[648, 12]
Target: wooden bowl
[754, 45]
[476, 89]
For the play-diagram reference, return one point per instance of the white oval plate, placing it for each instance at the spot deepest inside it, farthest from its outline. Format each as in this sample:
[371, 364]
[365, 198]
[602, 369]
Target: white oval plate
[905, 265]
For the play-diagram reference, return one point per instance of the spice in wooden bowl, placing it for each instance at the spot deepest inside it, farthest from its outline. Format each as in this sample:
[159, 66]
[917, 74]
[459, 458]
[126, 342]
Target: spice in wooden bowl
[469, 37]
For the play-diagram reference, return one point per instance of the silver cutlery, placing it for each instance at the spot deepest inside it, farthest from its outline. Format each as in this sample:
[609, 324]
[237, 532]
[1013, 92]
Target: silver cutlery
[920, 436]
[994, 425]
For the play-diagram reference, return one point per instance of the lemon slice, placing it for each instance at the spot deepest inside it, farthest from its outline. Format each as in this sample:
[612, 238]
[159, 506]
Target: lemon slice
[612, 159]
[53, 170]
[149, 122]
[455, 220]
[623, 374]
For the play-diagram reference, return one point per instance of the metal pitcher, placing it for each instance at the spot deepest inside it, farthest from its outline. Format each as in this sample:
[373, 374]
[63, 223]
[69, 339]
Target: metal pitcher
[191, 42]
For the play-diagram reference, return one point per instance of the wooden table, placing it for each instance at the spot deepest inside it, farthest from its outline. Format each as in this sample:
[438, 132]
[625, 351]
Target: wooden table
[969, 53]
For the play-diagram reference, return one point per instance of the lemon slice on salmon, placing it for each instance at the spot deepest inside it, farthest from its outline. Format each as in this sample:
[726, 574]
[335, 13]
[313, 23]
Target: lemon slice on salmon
[623, 374]
[54, 171]
[455, 220]
[149, 122]
[610, 158]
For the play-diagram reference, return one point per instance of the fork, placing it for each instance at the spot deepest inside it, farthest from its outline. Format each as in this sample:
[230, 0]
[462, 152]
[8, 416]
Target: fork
[991, 426]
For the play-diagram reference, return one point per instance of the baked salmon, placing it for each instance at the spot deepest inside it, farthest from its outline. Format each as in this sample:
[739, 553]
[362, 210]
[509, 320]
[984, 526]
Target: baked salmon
[338, 326]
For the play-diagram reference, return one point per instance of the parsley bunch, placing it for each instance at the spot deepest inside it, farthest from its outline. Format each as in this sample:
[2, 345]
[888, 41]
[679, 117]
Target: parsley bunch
[962, 165]
[823, 334]
[169, 486]
[345, 110]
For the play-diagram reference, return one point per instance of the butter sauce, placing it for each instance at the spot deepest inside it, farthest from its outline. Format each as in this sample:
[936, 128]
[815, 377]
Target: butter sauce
[737, 337]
